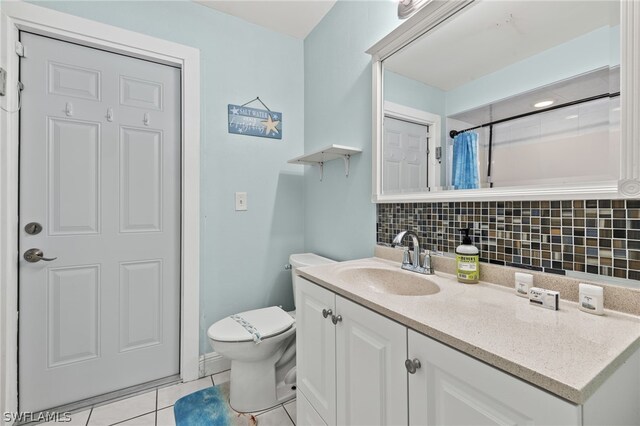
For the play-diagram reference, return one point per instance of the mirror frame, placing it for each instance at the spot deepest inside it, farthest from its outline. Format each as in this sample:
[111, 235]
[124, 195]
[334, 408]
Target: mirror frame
[432, 14]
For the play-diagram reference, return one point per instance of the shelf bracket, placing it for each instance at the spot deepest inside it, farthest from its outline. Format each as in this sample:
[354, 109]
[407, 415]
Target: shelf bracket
[330, 153]
[347, 160]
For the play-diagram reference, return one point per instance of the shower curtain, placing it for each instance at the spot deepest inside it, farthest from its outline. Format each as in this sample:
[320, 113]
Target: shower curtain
[465, 161]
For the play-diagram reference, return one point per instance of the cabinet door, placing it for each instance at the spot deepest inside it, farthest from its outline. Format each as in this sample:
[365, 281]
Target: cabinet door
[316, 348]
[371, 376]
[452, 388]
[305, 414]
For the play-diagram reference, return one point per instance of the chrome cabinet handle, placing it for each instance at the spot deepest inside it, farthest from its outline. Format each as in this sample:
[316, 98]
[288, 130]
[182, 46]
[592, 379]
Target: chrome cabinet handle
[412, 365]
[35, 255]
[336, 319]
[327, 312]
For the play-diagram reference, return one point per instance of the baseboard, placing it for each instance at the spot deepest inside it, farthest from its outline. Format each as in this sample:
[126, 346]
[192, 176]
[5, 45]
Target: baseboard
[212, 363]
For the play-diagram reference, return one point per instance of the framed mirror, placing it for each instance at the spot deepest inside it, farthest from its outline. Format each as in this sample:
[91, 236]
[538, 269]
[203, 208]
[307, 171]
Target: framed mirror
[521, 99]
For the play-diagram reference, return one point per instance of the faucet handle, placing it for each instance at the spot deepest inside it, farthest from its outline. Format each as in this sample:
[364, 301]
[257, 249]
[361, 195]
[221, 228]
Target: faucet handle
[427, 262]
[406, 259]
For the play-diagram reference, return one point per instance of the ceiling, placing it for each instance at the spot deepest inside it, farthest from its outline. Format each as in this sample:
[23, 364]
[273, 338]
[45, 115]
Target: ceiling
[514, 30]
[296, 18]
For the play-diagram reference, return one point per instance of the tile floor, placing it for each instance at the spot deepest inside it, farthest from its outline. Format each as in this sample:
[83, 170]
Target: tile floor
[155, 408]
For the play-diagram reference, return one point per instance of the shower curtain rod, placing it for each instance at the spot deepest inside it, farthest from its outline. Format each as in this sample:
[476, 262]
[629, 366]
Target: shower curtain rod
[454, 133]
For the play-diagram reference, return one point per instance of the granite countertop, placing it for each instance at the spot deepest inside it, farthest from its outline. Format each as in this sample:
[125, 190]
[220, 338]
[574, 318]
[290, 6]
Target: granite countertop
[567, 352]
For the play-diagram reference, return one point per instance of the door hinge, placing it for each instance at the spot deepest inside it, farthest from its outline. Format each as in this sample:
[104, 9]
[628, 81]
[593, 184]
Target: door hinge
[19, 49]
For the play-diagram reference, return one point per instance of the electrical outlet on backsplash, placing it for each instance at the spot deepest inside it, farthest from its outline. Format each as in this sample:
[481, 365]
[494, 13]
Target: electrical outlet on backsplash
[586, 236]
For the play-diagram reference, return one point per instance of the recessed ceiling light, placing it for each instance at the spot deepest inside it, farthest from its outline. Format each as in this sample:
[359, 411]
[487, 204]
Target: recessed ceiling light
[569, 117]
[543, 104]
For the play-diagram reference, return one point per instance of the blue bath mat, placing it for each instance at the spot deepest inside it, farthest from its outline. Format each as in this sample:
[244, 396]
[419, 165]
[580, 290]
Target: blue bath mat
[210, 407]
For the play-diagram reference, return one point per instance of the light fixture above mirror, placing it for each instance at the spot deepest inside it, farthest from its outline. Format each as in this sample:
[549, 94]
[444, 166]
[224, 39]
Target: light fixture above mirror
[406, 8]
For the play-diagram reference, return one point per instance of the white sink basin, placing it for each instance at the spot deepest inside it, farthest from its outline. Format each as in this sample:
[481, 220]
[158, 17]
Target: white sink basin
[388, 281]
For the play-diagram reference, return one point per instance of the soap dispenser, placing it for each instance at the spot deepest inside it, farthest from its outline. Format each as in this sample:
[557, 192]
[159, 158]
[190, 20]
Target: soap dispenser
[467, 267]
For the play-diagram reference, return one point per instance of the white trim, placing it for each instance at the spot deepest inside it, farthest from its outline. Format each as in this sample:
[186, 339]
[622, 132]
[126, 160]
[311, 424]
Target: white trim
[404, 112]
[428, 17]
[377, 89]
[628, 184]
[630, 99]
[604, 190]
[8, 224]
[23, 16]
[434, 121]
[213, 363]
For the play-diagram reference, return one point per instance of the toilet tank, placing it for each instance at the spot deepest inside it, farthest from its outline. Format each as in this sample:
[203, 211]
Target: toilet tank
[301, 260]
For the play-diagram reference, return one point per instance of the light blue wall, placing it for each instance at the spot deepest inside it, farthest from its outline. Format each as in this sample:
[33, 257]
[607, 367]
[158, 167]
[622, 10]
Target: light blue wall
[340, 218]
[596, 49]
[415, 94]
[242, 253]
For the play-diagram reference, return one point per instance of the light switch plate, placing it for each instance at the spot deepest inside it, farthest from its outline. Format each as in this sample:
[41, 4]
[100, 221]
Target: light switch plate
[241, 201]
[3, 82]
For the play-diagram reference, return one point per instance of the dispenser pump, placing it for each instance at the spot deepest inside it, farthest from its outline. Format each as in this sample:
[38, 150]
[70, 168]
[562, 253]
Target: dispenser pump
[466, 239]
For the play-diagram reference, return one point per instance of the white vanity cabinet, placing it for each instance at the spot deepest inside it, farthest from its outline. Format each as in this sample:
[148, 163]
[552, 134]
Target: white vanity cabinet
[451, 388]
[351, 371]
[350, 365]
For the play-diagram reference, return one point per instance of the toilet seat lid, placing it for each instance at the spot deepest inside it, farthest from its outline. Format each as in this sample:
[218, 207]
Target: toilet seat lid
[267, 321]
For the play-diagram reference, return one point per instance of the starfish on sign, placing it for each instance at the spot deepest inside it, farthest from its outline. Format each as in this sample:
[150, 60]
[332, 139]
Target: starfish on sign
[235, 110]
[270, 125]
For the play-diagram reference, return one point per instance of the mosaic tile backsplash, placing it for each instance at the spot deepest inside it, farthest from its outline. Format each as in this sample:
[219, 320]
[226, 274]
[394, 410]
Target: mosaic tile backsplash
[594, 236]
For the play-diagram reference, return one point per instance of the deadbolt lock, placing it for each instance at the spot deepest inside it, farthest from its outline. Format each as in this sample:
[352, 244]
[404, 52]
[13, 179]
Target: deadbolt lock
[33, 228]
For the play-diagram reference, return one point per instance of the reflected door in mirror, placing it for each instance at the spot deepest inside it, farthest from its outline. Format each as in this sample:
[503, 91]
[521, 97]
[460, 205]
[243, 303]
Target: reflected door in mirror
[405, 156]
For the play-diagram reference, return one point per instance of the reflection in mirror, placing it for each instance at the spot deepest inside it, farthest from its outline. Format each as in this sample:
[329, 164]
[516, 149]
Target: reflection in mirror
[505, 94]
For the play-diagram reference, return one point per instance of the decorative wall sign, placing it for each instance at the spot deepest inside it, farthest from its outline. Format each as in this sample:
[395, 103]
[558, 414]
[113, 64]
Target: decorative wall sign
[255, 122]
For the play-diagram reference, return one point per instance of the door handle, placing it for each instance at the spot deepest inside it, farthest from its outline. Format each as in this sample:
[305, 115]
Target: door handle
[336, 319]
[326, 312]
[412, 365]
[35, 255]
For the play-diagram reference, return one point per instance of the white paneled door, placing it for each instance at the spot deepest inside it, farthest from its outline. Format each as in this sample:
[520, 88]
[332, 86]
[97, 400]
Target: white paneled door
[405, 156]
[99, 222]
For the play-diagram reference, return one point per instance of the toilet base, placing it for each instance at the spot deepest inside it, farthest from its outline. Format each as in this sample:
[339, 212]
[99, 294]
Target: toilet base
[285, 392]
[252, 388]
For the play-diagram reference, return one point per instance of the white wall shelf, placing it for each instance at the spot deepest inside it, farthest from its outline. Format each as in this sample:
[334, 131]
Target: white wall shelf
[332, 152]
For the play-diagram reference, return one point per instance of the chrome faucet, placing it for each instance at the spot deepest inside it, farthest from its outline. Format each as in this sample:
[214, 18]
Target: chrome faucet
[414, 266]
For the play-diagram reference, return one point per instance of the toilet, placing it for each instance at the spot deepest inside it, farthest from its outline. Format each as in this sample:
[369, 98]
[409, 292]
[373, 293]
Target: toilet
[261, 345]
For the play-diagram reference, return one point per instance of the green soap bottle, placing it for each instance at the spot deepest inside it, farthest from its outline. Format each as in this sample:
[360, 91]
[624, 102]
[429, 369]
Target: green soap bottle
[467, 267]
